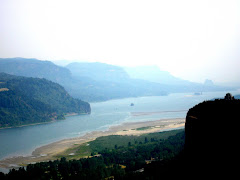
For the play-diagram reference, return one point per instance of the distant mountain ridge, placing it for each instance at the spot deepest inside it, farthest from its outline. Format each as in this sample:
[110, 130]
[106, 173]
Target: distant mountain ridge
[98, 71]
[32, 100]
[97, 82]
[100, 81]
[34, 68]
[154, 74]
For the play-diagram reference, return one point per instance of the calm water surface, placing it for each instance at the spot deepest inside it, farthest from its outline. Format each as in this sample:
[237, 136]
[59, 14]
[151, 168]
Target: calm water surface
[23, 140]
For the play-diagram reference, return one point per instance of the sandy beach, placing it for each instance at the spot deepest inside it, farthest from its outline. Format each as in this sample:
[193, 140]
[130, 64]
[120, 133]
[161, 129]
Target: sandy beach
[48, 152]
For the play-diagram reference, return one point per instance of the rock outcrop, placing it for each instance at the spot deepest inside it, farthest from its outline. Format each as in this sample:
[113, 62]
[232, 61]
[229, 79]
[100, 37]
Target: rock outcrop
[212, 137]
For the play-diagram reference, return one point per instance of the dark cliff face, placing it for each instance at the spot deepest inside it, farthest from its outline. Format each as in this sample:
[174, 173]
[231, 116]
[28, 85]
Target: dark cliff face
[212, 136]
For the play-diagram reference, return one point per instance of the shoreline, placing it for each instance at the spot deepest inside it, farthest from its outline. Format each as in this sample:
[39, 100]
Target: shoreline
[50, 151]
[47, 122]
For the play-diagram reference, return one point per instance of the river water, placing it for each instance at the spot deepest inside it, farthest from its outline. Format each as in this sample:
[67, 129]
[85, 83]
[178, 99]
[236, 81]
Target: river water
[23, 140]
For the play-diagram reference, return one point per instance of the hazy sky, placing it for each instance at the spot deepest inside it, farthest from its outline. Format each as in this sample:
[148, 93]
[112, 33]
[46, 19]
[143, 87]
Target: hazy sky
[191, 39]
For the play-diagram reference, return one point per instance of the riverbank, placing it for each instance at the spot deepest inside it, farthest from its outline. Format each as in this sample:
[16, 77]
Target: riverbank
[46, 122]
[51, 151]
[32, 124]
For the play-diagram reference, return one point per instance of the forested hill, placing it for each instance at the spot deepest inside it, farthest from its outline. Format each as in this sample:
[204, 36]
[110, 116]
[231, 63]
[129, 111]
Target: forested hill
[32, 100]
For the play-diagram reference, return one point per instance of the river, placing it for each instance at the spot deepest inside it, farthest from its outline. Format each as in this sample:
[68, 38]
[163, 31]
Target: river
[23, 140]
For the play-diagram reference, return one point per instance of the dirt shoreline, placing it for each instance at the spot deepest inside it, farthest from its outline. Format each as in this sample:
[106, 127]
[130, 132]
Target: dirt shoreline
[48, 152]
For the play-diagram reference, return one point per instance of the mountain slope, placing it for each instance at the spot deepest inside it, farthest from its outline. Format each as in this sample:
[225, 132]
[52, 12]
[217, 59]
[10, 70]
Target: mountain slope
[34, 68]
[89, 82]
[100, 81]
[30, 100]
[98, 71]
[43, 69]
[106, 82]
[154, 74]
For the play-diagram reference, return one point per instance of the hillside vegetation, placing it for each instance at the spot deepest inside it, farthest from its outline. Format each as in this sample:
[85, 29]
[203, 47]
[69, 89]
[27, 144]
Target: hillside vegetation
[32, 100]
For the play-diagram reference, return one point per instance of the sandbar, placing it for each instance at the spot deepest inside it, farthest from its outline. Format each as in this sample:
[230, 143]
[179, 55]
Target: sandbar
[50, 151]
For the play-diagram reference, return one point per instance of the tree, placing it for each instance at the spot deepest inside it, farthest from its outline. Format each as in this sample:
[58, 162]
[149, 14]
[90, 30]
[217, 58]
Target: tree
[146, 140]
[2, 176]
